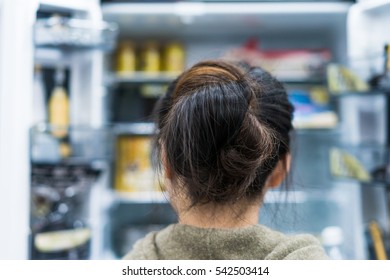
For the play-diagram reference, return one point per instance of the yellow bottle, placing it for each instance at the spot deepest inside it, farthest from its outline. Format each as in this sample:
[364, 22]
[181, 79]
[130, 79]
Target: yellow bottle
[59, 112]
[174, 58]
[150, 63]
[126, 58]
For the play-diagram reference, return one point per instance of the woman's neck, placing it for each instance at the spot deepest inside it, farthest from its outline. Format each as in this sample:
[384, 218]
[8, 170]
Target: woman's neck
[221, 216]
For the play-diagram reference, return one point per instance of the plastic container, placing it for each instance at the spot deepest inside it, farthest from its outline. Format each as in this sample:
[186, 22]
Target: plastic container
[333, 239]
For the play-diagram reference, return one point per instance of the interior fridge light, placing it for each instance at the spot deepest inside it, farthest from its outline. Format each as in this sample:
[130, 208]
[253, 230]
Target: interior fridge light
[189, 9]
[183, 8]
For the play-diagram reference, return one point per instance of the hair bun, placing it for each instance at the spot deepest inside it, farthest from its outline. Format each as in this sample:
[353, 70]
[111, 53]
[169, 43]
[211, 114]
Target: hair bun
[218, 132]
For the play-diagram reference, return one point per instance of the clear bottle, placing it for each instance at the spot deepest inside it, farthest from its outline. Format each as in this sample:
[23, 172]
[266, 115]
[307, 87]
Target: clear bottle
[332, 240]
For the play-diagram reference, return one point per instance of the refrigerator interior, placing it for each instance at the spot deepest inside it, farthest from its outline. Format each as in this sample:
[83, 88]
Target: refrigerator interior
[313, 199]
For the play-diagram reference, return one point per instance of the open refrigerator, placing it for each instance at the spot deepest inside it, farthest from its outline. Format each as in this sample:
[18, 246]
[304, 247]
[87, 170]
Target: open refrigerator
[110, 116]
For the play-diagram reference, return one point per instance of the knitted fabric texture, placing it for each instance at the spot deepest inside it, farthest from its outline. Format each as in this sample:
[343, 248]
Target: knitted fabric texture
[184, 242]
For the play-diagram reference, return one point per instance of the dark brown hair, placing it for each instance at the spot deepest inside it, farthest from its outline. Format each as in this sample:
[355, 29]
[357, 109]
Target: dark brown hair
[223, 128]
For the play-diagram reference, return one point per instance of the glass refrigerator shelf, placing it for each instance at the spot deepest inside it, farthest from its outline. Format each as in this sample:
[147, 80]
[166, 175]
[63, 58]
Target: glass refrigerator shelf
[366, 164]
[140, 77]
[83, 145]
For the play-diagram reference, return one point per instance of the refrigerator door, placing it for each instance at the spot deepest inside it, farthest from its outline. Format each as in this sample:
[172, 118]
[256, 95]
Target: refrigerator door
[16, 83]
[367, 33]
[17, 18]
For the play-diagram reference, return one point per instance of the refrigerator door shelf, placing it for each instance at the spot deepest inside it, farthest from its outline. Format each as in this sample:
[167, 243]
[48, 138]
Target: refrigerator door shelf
[60, 32]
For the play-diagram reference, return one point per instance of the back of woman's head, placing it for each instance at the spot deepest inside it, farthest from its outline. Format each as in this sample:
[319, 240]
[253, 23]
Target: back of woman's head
[222, 129]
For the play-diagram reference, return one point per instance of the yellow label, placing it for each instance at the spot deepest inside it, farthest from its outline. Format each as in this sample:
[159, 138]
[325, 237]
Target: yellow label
[133, 167]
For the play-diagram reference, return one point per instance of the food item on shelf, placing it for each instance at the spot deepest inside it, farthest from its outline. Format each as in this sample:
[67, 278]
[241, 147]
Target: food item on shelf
[344, 164]
[289, 64]
[133, 165]
[126, 58]
[174, 58]
[316, 120]
[59, 117]
[150, 58]
[54, 241]
[343, 80]
[59, 106]
[319, 95]
[153, 90]
[311, 110]
[151, 65]
[39, 97]
[382, 81]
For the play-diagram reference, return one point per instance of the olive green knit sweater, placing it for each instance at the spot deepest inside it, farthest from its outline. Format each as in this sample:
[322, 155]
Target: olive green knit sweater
[184, 242]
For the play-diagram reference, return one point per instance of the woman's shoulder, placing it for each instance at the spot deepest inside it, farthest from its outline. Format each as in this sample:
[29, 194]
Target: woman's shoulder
[146, 247]
[141, 249]
[294, 247]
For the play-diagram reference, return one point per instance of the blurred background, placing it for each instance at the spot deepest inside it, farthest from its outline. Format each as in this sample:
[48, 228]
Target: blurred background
[78, 82]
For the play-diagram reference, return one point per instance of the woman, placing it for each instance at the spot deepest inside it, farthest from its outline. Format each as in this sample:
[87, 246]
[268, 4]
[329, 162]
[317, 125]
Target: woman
[222, 142]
